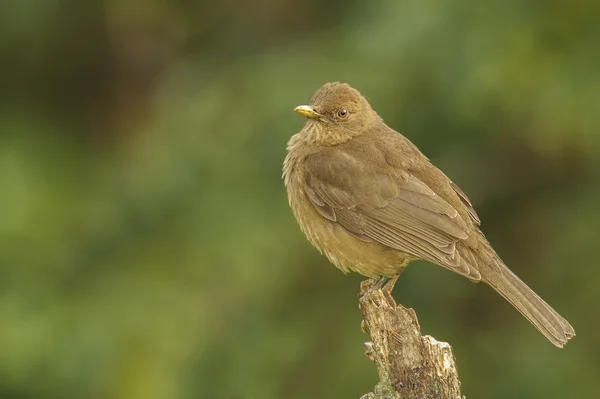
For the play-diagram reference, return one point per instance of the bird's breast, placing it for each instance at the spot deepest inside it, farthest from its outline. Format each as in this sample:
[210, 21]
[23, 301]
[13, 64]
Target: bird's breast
[344, 250]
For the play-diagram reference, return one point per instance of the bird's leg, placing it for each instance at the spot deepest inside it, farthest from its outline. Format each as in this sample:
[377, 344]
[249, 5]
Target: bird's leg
[380, 283]
[390, 283]
[387, 290]
[383, 283]
[372, 284]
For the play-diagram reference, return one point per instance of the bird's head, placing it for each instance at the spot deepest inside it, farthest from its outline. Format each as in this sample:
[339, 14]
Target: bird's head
[337, 112]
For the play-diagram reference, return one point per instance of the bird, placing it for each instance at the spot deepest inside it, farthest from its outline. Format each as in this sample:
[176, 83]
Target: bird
[369, 200]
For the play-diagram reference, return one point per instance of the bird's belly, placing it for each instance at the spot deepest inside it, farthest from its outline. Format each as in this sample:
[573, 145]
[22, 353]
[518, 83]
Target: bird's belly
[344, 250]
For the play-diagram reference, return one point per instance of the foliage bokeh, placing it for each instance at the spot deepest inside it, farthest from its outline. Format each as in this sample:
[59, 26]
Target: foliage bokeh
[146, 245]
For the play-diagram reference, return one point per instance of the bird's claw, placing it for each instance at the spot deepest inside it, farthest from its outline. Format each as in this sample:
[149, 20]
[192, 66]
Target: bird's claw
[383, 284]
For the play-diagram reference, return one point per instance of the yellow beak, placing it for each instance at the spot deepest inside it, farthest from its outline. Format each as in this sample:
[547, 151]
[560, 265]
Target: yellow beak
[307, 111]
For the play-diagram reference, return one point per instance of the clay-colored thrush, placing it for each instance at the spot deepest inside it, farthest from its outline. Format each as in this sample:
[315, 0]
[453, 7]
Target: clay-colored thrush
[368, 199]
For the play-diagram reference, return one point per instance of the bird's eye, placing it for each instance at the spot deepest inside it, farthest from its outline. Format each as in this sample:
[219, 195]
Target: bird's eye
[342, 113]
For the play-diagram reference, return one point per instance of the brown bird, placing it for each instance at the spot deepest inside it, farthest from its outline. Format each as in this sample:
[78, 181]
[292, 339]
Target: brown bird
[368, 199]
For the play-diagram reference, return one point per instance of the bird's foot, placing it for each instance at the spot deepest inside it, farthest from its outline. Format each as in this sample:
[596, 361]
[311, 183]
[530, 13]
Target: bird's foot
[384, 284]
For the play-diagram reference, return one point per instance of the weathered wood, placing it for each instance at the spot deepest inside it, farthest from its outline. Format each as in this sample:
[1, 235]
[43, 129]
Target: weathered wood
[410, 366]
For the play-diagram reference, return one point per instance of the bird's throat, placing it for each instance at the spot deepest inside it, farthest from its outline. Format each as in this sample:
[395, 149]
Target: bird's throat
[320, 133]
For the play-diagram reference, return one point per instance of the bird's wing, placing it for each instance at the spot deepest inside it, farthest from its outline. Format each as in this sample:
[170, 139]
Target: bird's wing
[391, 207]
[467, 203]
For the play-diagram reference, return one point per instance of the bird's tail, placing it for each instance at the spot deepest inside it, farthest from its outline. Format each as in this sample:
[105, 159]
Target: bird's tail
[495, 273]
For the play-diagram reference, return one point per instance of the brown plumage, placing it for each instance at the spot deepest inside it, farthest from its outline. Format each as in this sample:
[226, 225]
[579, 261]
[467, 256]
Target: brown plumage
[368, 199]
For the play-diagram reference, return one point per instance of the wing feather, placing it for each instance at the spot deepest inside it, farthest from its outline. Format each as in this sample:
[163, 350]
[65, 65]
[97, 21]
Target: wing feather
[397, 210]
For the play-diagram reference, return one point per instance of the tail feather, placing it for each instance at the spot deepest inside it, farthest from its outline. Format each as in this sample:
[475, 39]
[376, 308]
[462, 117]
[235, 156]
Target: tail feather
[495, 273]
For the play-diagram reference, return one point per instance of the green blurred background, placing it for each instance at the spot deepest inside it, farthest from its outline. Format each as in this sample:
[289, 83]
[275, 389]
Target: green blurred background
[147, 250]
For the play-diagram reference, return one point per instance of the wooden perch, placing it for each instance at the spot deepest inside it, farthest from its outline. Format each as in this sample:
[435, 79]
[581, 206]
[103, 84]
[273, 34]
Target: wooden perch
[410, 366]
